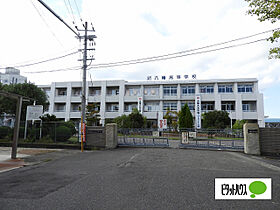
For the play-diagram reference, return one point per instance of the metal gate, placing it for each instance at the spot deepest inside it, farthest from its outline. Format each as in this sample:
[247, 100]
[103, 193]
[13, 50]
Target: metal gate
[141, 138]
[226, 139]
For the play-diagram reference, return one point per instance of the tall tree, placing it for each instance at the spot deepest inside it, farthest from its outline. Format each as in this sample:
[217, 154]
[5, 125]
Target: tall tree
[216, 119]
[136, 119]
[30, 90]
[185, 117]
[267, 10]
[123, 121]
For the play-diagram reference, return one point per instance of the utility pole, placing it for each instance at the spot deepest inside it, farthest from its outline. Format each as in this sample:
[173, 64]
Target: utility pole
[86, 37]
[84, 75]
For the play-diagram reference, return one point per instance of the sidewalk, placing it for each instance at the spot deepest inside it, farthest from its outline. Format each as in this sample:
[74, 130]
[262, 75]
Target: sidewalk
[7, 164]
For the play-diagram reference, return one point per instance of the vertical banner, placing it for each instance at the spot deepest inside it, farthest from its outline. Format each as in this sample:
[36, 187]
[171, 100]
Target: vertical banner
[198, 111]
[140, 105]
[162, 123]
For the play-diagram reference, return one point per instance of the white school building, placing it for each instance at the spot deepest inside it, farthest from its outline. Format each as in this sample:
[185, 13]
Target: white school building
[240, 97]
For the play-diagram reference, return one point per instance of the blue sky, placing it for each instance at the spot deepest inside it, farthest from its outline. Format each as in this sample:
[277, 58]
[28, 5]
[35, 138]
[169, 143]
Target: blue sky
[141, 28]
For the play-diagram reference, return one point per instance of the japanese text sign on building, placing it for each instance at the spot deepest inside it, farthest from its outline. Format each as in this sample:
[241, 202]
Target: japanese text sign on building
[172, 77]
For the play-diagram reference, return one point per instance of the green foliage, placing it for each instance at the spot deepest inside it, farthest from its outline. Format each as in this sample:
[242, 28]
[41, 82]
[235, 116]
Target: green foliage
[63, 133]
[267, 10]
[49, 118]
[172, 118]
[71, 126]
[123, 121]
[30, 90]
[92, 114]
[4, 131]
[238, 124]
[216, 120]
[185, 118]
[136, 119]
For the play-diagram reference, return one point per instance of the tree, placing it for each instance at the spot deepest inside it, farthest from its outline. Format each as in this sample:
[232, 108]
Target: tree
[216, 120]
[49, 118]
[92, 114]
[172, 117]
[185, 117]
[136, 119]
[123, 121]
[267, 10]
[30, 90]
[238, 124]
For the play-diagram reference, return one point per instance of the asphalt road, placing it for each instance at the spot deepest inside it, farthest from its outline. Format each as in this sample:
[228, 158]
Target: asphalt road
[134, 178]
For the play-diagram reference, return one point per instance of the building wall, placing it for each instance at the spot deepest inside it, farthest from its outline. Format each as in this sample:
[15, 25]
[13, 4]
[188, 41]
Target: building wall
[116, 95]
[12, 76]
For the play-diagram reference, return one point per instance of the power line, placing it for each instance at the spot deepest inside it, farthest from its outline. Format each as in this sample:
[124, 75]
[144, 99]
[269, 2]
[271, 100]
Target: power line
[184, 51]
[43, 19]
[172, 57]
[72, 12]
[74, 68]
[44, 61]
[153, 60]
[78, 11]
[35, 60]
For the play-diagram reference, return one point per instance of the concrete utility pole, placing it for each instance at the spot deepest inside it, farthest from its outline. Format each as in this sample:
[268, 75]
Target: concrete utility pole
[84, 75]
[86, 37]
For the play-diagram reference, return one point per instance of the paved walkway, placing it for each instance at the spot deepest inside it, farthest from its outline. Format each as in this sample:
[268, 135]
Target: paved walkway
[7, 164]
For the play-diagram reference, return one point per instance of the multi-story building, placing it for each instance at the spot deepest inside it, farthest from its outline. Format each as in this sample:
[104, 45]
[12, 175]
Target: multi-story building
[239, 97]
[12, 76]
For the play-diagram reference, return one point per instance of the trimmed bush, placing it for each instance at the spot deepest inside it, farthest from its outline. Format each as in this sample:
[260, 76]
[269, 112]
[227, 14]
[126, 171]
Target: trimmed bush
[63, 133]
[71, 126]
[4, 131]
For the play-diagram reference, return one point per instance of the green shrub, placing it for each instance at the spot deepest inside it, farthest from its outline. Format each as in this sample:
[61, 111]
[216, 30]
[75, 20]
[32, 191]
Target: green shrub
[4, 131]
[63, 133]
[71, 126]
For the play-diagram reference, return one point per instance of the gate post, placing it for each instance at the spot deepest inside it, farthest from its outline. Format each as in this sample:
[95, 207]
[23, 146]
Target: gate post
[251, 139]
[111, 135]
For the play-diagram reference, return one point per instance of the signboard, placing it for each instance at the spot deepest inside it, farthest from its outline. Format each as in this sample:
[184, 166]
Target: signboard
[184, 137]
[156, 133]
[172, 77]
[140, 104]
[82, 128]
[192, 134]
[198, 111]
[162, 123]
[34, 112]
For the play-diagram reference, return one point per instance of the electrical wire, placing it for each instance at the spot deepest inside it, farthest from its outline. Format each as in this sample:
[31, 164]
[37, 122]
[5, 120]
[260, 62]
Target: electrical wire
[184, 51]
[43, 19]
[56, 70]
[74, 20]
[156, 59]
[168, 58]
[44, 61]
[35, 60]
[78, 11]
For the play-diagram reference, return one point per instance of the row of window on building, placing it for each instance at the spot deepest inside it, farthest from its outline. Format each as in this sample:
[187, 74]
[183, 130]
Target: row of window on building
[247, 106]
[154, 90]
